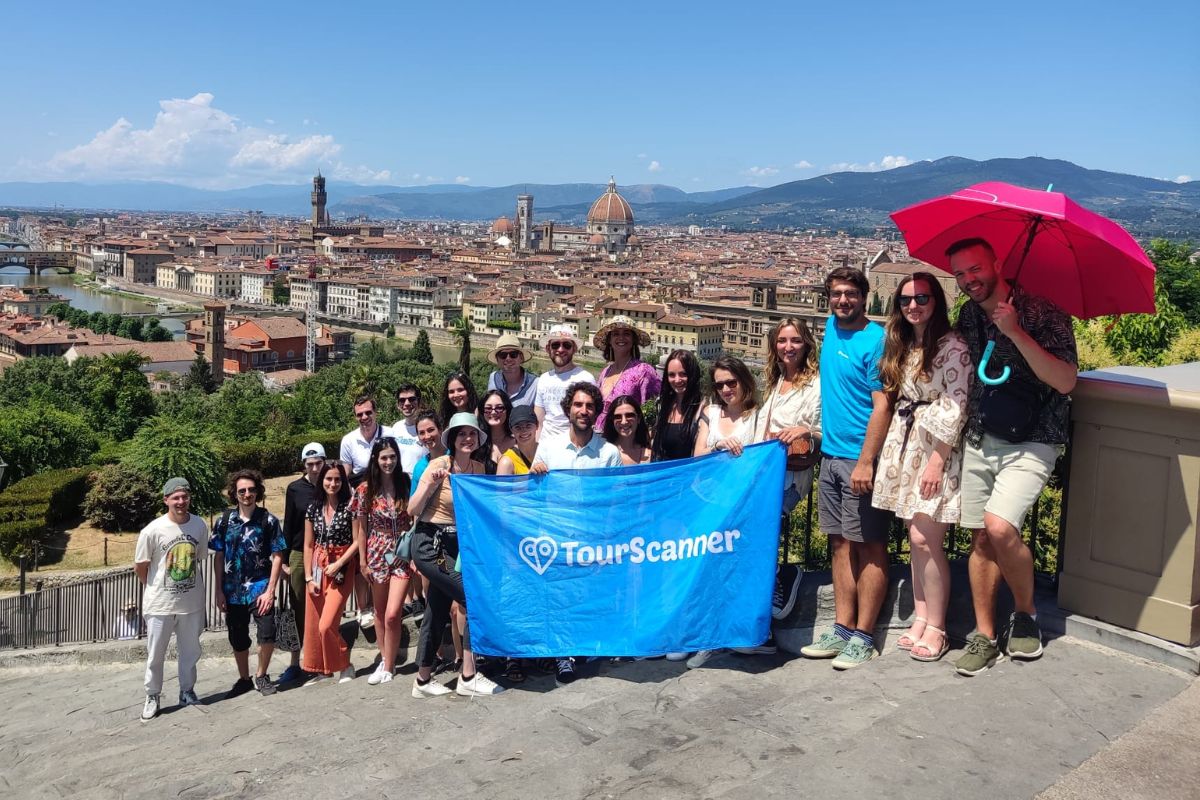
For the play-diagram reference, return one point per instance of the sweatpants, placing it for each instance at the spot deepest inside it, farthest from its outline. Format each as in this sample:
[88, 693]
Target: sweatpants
[324, 649]
[444, 588]
[187, 629]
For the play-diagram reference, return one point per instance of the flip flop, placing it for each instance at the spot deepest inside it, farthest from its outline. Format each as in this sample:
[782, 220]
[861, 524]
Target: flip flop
[906, 642]
[934, 655]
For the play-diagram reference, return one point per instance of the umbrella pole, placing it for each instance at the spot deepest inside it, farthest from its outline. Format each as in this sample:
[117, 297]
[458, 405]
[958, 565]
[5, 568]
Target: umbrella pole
[981, 371]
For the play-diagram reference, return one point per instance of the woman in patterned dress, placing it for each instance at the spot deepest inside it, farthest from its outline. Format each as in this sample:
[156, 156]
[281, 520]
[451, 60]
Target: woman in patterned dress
[926, 372]
[330, 547]
[380, 515]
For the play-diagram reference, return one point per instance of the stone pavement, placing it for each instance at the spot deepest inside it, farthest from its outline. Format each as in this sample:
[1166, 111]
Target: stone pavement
[773, 726]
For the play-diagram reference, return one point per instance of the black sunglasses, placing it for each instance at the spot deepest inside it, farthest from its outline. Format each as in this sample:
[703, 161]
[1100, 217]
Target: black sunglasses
[509, 354]
[906, 299]
[729, 384]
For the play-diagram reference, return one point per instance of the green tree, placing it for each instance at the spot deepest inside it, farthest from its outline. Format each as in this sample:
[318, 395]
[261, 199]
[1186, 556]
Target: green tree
[1185, 349]
[1145, 338]
[40, 437]
[97, 322]
[390, 331]
[60, 311]
[281, 293]
[238, 411]
[121, 499]
[131, 328]
[364, 380]
[158, 333]
[462, 332]
[422, 352]
[200, 376]
[113, 322]
[119, 396]
[44, 380]
[1179, 275]
[876, 307]
[164, 449]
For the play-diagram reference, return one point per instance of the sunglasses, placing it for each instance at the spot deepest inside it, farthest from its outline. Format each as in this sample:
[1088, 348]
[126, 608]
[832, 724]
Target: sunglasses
[509, 354]
[406, 400]
[247, 491]
[365, 414]
[493, 409]
[562, 345]
[906, 299]
[729, 384]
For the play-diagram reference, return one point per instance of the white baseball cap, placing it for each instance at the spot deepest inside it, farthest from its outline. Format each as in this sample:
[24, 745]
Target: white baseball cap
[312, 450]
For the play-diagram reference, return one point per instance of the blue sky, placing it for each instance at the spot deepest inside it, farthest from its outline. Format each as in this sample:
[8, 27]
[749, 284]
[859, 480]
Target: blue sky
[699, 95]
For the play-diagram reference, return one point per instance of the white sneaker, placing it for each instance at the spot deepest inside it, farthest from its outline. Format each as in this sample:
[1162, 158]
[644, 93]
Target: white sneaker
[701, 658]
[150, 710]
[430, 689]
[346, 675]
[380, 675]
[366, 619]
[478, 686]
[676, 656]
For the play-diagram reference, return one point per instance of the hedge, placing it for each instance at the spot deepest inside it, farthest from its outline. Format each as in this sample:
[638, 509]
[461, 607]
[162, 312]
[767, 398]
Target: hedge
[273, 459]
[30, 508]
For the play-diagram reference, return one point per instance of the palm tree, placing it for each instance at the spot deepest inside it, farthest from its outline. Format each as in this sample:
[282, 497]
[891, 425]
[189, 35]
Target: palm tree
[462, 331]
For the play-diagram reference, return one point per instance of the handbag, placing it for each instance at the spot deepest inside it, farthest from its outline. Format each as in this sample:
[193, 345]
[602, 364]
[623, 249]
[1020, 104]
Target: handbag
[802, 453]
[286, 636]
[1010, 410]
[402, 552]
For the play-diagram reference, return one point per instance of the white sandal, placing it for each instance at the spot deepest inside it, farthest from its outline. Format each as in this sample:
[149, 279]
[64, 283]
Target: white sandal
[911, 643]
[934, 655]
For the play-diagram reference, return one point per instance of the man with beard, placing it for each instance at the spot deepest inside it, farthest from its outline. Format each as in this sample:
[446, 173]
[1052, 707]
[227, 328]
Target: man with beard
[561, 345]
[581, 448]
[1015, 432]
[855, 416]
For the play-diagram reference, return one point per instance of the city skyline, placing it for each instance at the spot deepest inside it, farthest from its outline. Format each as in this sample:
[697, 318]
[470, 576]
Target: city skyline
[672, 94]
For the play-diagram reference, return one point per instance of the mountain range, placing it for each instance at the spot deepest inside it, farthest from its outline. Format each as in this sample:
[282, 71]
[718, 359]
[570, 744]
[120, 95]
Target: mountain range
[854, 201]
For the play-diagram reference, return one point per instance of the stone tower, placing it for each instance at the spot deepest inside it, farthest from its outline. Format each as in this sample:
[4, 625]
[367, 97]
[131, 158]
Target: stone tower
[319, 199]
[214, 338]
[524, 222]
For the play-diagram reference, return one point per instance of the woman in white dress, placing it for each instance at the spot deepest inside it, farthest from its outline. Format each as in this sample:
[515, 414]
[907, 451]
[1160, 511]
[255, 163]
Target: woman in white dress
[926, 372]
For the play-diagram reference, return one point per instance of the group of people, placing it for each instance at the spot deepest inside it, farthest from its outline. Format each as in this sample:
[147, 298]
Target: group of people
[901, 425]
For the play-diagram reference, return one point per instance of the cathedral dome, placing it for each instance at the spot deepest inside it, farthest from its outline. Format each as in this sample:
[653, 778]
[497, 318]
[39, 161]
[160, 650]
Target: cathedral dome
[610, 208]
[502, 226]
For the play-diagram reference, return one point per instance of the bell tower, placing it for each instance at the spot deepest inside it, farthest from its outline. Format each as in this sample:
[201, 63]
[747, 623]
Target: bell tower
[319, 198]
[525, 222]
[214, 339]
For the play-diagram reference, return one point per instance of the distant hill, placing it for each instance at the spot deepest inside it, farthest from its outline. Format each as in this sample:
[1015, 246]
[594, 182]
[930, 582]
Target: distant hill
[853, 201]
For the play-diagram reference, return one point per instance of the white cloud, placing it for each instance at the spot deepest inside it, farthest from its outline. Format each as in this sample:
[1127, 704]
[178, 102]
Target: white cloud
[275, 152]
[761, 172]
[887, 162]
[360, 174]
[802, 164]
[1183, 179]
[419, 178]
[269, 121]
[654, 167]
[461, 179]
[642, 155]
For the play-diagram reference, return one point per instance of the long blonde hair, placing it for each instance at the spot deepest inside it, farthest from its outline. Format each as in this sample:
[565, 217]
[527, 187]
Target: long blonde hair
[808, 368]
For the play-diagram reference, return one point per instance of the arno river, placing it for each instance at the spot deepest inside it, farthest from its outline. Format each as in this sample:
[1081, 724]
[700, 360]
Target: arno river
[87, 299]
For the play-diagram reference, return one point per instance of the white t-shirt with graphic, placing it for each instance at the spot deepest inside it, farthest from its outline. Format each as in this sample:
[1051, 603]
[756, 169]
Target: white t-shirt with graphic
[175, 552]
[551, 387]
[411, 449]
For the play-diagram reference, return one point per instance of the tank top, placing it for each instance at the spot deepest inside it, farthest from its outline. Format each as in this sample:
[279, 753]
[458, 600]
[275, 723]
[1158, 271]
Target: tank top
[520, 465]
[676, 443]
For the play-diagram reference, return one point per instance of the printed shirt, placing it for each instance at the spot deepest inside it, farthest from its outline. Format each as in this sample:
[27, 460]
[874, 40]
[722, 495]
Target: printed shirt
[849, 375]
[174, 553]
[338, 532]
[638, 379]
[524, 395]
[1051, 328]
[562, 453]
[247, 546]
[551, 388]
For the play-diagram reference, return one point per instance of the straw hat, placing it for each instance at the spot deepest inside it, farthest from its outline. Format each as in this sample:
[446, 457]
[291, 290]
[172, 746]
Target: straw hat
[508, 341]
[600, 340]
[557, 333]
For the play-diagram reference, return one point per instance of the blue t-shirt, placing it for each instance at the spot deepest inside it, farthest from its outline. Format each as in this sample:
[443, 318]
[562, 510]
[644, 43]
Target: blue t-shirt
[849, 373]
[418, 471]
[247, 546]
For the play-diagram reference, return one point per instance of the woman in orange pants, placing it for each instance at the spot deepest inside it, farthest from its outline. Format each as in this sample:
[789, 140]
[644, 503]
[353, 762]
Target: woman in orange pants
[330, 563]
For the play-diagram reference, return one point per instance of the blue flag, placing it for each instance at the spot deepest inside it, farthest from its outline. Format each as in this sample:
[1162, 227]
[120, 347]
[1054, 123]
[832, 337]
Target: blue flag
[636, 561]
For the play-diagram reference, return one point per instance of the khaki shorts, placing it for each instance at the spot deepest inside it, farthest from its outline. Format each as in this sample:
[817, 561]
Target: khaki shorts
[1003, 479]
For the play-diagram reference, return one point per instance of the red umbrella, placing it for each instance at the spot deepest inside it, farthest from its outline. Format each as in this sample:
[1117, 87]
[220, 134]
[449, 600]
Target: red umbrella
[1087, 265]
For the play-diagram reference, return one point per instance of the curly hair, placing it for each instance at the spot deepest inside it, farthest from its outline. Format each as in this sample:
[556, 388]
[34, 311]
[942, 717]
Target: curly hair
[582, 386]
[245, 475]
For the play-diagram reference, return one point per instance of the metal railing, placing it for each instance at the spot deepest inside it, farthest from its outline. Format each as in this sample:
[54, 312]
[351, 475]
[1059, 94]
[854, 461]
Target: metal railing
[98, 610]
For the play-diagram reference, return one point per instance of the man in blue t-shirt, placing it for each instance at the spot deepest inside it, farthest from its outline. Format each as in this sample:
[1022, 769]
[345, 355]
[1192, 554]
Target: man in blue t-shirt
[854, 421]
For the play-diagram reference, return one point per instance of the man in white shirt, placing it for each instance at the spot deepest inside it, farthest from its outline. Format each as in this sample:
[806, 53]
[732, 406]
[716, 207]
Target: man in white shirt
[580, 448]
[166, 560]
[561, 345]
[408, 405]
[356, 446]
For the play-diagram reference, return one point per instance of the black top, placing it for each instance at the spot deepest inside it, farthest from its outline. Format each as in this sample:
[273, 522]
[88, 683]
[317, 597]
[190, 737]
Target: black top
[675, 442]
[300, 495]
[338, 533]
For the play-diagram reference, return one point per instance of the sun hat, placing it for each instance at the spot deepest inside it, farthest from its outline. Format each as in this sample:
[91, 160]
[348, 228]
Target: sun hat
[176, 485]
[521, 414]
[508, 341]
[312, 450]
[560, 332]
[600, 340]
[463, 419]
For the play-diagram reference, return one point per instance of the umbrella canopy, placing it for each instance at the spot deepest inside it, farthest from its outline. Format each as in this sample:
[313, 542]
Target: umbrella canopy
[1087, 265]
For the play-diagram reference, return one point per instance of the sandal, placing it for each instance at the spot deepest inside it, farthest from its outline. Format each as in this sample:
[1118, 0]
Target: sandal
[907, 641]
[513, 671]
[932, 655]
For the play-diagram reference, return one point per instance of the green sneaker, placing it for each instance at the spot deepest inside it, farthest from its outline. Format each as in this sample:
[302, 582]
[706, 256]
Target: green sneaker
[980, 655]
[1023, 639]
[854, 654]
[828, 646]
